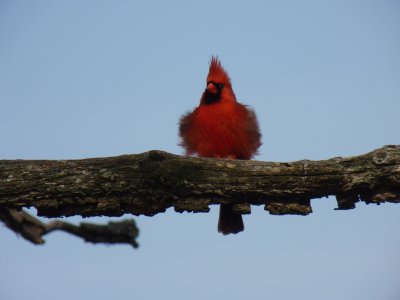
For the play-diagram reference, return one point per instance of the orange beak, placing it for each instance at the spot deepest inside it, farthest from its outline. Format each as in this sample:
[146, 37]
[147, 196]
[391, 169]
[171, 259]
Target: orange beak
[211, 88]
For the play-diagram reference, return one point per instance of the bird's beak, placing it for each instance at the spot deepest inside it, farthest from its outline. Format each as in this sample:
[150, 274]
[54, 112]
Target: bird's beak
[211, 88]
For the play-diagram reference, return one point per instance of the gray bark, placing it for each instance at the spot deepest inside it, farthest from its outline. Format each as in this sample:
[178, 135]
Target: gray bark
[151, 182]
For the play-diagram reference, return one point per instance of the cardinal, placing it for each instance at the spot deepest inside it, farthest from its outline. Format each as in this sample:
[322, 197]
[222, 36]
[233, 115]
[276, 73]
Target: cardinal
[221, 127]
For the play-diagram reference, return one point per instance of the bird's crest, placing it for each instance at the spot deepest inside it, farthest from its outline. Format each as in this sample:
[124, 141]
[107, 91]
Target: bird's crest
[217, 73]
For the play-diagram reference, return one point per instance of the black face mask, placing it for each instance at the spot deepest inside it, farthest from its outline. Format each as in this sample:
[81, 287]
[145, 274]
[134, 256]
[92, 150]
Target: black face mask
[210, 98]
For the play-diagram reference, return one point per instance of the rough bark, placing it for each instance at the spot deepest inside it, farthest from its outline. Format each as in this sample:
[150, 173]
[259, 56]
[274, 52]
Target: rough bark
[149, 183]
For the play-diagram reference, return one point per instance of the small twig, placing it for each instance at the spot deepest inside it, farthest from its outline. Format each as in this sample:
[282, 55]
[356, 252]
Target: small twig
[33, 230]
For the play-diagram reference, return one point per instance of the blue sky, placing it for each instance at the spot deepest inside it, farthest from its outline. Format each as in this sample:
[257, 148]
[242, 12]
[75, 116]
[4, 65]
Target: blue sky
[103, 78]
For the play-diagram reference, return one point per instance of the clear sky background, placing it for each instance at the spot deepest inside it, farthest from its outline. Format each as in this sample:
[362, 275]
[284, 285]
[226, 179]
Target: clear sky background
[85, 79]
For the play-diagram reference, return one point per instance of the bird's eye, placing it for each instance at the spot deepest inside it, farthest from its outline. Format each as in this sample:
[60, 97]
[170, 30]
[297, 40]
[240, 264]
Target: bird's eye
[220, 86]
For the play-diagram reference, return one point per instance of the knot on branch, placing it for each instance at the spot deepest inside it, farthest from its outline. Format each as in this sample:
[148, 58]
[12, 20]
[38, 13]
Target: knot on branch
[386, 154]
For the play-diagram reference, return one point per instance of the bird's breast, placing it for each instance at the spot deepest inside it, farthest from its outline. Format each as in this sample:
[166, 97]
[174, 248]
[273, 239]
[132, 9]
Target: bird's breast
[220, 131]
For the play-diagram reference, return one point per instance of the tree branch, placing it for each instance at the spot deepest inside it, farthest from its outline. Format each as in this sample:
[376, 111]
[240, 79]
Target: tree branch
[33, 230]
[149, 183]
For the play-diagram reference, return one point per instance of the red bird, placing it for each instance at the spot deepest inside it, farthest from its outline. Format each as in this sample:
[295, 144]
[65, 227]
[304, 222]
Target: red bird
[221, 127]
